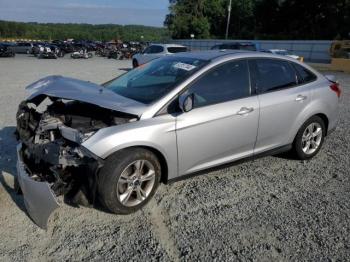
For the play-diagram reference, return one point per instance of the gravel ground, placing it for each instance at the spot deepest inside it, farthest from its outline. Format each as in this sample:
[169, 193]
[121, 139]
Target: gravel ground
[273, 208]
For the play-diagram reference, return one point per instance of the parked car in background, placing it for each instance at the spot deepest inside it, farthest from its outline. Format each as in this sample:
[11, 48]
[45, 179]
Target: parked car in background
[23, 48]
[155, 51]
[175, 116]
[65, 47]
[235, 46]
[284, 53]
[6, 50]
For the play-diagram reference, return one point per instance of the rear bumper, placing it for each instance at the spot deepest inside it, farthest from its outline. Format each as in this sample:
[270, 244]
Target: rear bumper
[39, 199]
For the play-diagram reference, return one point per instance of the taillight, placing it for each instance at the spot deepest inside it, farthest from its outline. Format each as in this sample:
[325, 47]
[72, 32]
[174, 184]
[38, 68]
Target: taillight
[336, 88]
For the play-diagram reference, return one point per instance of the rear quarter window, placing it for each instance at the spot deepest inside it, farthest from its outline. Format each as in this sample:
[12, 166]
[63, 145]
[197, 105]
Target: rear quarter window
[304, 75]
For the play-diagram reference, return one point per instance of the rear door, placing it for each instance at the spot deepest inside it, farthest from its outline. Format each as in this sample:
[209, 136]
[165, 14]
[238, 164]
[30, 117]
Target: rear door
[222, 127]
[281, 101]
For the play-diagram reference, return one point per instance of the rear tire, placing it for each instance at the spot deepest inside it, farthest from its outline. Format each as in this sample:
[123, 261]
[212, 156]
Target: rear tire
[135, 63]
[121, 187]
[309, 138]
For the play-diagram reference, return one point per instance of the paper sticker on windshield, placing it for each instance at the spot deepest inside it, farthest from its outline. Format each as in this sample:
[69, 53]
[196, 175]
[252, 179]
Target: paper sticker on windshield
[184, 66]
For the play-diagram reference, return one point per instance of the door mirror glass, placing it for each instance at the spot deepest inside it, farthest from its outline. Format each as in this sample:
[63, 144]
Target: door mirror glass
[186, 102]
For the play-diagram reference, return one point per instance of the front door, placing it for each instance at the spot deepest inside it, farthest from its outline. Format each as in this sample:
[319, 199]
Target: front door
[223, 124]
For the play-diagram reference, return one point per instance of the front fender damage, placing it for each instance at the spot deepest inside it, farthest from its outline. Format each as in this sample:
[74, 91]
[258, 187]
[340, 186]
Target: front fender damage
[51, 160]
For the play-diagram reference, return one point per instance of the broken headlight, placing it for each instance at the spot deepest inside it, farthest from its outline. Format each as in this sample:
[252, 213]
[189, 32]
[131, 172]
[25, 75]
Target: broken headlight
[75, 135]
[86, 136]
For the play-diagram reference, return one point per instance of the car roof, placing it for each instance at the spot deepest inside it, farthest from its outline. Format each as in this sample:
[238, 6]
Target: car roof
[212, 54]
[277, 50]
[168, 45]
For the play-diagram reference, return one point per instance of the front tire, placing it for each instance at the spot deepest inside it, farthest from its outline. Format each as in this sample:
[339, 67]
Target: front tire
[309, 139]
[128, 180]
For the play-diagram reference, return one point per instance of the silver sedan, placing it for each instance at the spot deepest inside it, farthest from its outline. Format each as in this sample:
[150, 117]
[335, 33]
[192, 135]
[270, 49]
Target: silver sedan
[173, 117]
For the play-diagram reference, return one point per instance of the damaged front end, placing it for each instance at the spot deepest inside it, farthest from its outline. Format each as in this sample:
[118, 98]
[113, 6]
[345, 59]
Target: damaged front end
[51, 160]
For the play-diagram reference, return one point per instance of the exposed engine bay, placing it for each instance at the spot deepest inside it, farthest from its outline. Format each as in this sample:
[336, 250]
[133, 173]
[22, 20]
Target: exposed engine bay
[51, 141]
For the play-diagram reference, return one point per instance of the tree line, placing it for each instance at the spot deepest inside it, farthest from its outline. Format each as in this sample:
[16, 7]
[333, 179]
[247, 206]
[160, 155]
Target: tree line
[260, 19]
[51, 31]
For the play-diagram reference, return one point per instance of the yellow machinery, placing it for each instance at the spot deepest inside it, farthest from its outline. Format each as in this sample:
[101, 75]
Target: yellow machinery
[340, 49]
[340, 53]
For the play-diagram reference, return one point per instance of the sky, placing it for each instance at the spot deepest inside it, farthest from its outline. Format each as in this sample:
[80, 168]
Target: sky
[140, 12]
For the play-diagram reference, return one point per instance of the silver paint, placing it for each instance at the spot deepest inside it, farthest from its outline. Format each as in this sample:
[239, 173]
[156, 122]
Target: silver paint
[196, 140]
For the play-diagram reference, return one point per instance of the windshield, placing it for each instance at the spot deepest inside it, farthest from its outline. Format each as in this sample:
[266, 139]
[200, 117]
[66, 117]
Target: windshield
[150, 82]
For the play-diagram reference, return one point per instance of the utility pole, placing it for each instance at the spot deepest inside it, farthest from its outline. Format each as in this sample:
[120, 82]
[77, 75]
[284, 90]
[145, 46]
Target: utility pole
[228, 19]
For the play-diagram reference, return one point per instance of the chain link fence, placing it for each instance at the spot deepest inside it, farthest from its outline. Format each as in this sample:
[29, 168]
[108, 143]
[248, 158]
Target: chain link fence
[312, 51]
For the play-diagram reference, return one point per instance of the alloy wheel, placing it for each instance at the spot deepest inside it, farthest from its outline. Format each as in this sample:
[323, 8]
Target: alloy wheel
[312, 138]
[136, 182]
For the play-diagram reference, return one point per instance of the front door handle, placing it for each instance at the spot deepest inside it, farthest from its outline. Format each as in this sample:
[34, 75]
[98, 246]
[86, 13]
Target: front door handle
[300, 98]
[245, 110]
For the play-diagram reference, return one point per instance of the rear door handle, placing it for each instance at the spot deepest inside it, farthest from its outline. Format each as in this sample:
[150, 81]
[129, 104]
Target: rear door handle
[245, 110]
[300, 98]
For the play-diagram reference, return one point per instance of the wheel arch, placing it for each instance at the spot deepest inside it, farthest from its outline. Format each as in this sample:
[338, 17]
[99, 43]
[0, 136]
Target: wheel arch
[161, 157]
[325, 120]
[162, 161]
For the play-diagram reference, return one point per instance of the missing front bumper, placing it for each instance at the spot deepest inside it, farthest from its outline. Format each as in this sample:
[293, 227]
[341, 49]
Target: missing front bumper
[39, 199]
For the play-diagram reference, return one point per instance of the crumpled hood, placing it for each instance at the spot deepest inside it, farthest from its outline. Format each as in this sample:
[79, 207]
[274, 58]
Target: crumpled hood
[74, 89]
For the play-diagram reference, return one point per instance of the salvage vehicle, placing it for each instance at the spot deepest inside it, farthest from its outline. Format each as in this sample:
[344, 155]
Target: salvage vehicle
[37, 48]
[83, 53]
[50, 52]
[6, 50]
[174, 117]
[156, 51]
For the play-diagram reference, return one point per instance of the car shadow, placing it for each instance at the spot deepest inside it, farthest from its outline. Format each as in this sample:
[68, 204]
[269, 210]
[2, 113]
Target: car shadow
[125, 69]
[287, 156]
[8, 159]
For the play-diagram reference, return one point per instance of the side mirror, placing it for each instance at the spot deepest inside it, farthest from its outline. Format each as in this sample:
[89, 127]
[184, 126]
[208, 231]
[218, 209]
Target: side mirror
[186, 102]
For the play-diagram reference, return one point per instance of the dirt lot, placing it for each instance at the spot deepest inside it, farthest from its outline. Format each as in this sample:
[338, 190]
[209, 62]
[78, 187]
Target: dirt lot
[272, 208]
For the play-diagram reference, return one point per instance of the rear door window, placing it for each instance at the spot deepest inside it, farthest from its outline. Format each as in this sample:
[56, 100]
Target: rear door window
[273, 74]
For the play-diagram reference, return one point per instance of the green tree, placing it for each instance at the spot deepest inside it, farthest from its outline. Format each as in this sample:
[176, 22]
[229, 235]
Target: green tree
[264, 19]
[187, 17]
[81, 31]
[207, 18]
